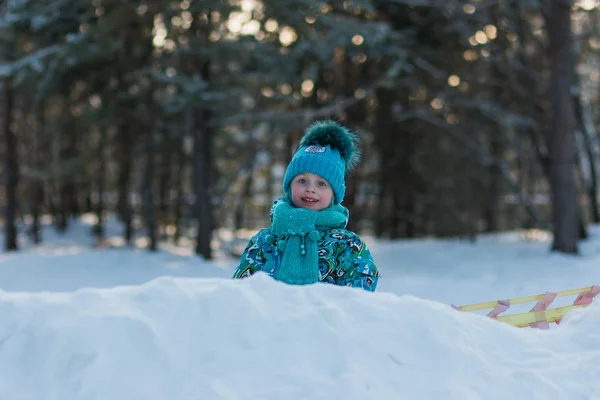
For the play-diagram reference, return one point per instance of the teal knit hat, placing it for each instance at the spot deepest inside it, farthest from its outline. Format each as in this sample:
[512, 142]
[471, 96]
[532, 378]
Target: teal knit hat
[329, 150]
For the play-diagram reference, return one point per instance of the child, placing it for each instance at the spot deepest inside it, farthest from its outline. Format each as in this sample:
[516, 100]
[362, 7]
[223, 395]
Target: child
[307, 242]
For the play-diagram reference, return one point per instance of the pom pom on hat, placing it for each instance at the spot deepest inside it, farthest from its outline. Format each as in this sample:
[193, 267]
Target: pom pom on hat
[329, 150]
[323, 133]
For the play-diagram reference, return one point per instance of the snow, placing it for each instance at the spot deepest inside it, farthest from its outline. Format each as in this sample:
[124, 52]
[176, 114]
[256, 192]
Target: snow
[78, 322]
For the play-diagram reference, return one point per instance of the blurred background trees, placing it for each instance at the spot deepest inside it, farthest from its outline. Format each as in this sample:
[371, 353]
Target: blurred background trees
[179, 117]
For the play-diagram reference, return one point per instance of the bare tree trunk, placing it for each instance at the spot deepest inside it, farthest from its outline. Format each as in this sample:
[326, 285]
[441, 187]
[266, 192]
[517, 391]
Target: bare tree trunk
[394, 228]
[148, 190]
[399, 186]
[202, 192]
[11, 166]
[202, 165]
[60, 218]
[123, 206]
[561, 149]
[37, 187]
[384, 136]
[202, 153]
[382, 214]
[179, 182]
[492, 203]
[67, 191]
[404, 187]
[166, 168]
[125, 146]
[100, 186]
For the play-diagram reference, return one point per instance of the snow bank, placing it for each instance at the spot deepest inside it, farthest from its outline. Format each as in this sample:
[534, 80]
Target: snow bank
[70, 268]
[184, 338]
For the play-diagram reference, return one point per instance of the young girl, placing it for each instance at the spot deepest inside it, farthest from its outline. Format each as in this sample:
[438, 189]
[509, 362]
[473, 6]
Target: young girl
[307, 241]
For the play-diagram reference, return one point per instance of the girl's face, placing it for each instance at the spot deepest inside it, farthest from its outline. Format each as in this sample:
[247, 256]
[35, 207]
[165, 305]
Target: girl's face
[311, 191]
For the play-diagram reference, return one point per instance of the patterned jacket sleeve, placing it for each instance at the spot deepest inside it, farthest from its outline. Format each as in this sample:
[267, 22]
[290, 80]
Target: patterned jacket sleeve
[360, 268]
[252, 259]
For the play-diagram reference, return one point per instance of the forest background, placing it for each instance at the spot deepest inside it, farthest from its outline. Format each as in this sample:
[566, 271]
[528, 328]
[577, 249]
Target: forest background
[179, 117]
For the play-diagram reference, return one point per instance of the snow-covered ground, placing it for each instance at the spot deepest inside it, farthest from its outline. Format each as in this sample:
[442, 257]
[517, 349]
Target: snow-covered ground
[78, 322]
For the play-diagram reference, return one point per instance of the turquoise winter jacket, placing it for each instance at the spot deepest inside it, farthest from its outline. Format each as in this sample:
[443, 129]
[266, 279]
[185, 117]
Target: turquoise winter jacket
[344, 259]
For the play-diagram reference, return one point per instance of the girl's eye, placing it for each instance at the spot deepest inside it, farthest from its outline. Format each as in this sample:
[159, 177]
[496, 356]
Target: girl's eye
[301, 180]
[322, 184]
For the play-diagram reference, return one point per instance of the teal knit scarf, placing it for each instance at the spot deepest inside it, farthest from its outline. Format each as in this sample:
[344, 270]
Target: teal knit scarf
[297, 231]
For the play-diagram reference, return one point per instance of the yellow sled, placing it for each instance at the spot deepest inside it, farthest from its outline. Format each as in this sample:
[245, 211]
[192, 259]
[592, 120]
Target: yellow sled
[540, 315]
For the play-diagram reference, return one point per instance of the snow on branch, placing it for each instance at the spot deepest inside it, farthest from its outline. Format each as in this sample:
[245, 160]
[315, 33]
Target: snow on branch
[34, 60]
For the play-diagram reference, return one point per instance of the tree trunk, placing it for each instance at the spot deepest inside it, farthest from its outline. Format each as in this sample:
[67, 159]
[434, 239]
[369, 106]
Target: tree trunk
[384, 135]
[202, 192]
[147, 190]
[123, 206]
[67, 191]
[561, 149]
[202, 171]
[11, 168]
[180, 193]
[100, 186]
[60, 219]
[37, 187]
[125, 145]
[164, 187]
[492, 203]
[202, 152]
